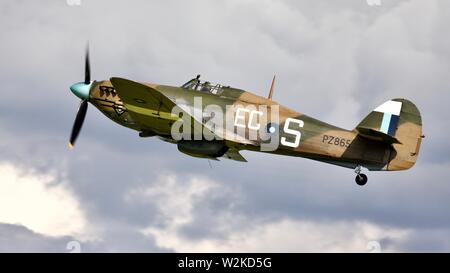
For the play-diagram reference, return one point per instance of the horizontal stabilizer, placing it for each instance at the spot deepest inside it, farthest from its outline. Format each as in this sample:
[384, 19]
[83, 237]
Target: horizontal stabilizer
[377, 135]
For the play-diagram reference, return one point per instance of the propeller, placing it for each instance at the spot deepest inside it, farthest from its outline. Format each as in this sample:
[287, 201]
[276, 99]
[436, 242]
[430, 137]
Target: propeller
[81, 90]
[78, 123]
[87, 68]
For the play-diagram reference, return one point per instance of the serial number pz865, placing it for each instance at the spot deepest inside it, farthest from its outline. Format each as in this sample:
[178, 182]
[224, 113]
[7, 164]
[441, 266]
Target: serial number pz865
[338, 141]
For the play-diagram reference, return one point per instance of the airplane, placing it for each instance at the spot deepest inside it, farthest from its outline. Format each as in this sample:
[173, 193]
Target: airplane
[387, 139]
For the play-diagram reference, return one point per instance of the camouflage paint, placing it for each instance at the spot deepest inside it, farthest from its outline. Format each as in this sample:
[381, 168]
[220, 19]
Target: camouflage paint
[319, 140]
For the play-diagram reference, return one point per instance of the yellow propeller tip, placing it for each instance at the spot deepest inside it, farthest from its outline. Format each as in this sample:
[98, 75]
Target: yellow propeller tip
[70, 146]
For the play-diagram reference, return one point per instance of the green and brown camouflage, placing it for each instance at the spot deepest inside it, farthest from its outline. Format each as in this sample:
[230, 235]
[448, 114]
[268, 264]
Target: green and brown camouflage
[388, 139]
[213, 121]
[147, 108]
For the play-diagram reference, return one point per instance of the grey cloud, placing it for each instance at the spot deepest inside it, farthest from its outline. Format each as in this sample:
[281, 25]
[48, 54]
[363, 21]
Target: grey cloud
[334, 61]
[17, 238]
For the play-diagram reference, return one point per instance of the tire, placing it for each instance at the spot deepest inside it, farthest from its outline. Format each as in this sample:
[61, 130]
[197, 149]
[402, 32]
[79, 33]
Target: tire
[361, 179]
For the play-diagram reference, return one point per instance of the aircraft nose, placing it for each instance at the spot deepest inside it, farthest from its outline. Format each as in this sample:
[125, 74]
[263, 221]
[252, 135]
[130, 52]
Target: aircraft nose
[81, 90]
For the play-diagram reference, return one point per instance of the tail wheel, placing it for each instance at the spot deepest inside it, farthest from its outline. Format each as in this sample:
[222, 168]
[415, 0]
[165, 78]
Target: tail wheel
[361, 179]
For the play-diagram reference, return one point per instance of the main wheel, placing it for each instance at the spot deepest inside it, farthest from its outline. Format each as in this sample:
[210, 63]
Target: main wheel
[361, 179]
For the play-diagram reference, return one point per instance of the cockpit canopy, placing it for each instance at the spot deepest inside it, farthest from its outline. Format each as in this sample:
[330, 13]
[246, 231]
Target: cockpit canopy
[203, 86]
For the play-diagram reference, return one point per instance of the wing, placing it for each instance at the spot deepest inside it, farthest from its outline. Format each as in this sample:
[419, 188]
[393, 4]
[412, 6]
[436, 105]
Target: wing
[153, 110]
[147, 106]
[140, 98]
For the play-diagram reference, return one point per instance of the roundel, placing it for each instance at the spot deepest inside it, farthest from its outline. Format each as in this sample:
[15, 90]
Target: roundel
[271, 128]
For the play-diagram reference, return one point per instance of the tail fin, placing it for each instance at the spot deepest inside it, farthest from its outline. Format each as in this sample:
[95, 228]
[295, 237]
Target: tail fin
[397, 122]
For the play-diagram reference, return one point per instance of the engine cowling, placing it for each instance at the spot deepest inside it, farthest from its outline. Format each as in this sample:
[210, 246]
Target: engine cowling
[202, 148]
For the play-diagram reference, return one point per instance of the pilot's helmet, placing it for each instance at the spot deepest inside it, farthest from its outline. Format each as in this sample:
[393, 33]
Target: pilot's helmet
[206, 87]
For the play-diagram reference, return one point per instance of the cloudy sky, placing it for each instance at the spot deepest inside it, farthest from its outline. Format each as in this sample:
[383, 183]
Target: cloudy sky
[334, 60]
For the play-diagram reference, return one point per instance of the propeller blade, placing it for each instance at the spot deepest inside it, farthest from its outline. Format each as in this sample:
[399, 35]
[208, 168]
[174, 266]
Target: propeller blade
[78, 123]
[87, 68]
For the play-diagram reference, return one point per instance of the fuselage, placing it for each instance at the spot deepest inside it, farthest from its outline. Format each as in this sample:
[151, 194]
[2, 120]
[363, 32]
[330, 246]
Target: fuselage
[299, 134]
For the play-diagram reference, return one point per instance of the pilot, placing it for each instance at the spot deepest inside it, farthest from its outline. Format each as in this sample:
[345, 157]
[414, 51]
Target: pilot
[206, 87]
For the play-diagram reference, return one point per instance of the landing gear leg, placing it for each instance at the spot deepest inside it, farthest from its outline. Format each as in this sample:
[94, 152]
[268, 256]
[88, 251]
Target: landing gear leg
[360, 179]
